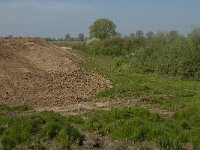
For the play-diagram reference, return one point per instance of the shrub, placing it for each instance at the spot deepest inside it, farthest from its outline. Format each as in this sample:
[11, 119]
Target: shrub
[80, 46]
[91, 41]
[112, 46]
[165, 53]
[175, 58]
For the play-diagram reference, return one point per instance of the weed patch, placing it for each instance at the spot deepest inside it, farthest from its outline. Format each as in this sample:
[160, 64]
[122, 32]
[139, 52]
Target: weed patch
[31, 131]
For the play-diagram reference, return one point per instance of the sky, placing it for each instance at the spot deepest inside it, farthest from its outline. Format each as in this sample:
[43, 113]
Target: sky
[55, 18]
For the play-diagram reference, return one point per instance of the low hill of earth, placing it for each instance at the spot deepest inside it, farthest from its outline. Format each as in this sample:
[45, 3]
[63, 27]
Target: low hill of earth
[39, 74]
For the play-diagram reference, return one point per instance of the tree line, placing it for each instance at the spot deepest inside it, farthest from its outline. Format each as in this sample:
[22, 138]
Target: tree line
[168, 53]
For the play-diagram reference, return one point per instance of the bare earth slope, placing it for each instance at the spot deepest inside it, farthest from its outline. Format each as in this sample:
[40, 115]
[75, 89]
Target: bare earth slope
[38, 73]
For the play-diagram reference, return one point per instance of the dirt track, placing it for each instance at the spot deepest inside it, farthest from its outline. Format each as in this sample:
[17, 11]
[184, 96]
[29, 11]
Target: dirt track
[38, 73]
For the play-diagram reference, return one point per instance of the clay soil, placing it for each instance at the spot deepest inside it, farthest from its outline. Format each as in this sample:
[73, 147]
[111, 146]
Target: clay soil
[40, 74]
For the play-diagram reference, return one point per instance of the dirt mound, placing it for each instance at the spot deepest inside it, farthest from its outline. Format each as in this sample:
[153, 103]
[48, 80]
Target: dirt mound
[38, 73]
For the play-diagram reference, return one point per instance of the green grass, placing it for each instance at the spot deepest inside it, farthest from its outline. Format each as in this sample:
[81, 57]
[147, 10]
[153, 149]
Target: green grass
[14, 108]
[31, 131]
[168, 92]
[135, 123]
[138, 124]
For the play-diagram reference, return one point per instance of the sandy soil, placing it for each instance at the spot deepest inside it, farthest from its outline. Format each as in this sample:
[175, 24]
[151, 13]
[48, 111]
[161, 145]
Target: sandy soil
[38, 73]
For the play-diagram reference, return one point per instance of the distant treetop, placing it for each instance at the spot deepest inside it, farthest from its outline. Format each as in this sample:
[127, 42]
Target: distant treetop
[102, 28]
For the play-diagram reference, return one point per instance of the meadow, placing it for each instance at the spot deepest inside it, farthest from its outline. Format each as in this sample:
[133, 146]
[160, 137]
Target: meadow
[161, 71]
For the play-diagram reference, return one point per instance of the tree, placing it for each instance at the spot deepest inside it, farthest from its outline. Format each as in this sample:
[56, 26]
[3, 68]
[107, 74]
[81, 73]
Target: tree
[173, 34]
[195, 36]
[118, 34]
[102, 28]
[81, 36]
[67, 37]
[150, 34]
[139, 33]
[132, 35]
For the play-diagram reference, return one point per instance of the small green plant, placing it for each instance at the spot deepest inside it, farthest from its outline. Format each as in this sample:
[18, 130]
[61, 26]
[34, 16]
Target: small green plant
[167, 144]
[68, 135]
[8, 143]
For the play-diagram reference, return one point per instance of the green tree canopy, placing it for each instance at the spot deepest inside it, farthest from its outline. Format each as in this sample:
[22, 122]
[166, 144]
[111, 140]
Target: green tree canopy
[81, 36]
[102, 28]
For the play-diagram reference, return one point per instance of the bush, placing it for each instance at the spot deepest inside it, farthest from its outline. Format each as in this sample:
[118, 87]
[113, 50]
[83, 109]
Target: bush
[164, 53]
[175, 58]
[91, 41]
[112, 46]
[80, 46]
[195, 37]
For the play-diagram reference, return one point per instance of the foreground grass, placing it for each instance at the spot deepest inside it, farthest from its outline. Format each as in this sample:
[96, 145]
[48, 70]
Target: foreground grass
[34, 130]
[135, 123]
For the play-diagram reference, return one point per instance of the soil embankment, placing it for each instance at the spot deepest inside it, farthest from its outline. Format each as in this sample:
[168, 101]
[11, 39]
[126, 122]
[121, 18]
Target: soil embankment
[38, 73]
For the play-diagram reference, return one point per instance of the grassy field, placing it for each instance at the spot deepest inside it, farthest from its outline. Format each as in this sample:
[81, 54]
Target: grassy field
[135, 123]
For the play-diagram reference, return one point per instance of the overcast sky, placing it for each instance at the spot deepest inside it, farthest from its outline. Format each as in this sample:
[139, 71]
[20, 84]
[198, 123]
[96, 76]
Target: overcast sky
[55, 18]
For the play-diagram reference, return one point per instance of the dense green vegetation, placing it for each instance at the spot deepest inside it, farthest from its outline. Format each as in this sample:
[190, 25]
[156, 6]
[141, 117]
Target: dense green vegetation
[162, 71]
[34, 131]
[102, 28]
[164, 53]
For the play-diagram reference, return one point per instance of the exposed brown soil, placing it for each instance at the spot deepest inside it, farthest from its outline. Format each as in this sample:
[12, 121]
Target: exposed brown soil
[88, 105]
[37, 73]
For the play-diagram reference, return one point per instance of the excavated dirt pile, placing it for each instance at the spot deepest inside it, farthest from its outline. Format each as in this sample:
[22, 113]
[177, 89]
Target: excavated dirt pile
[37, 73]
